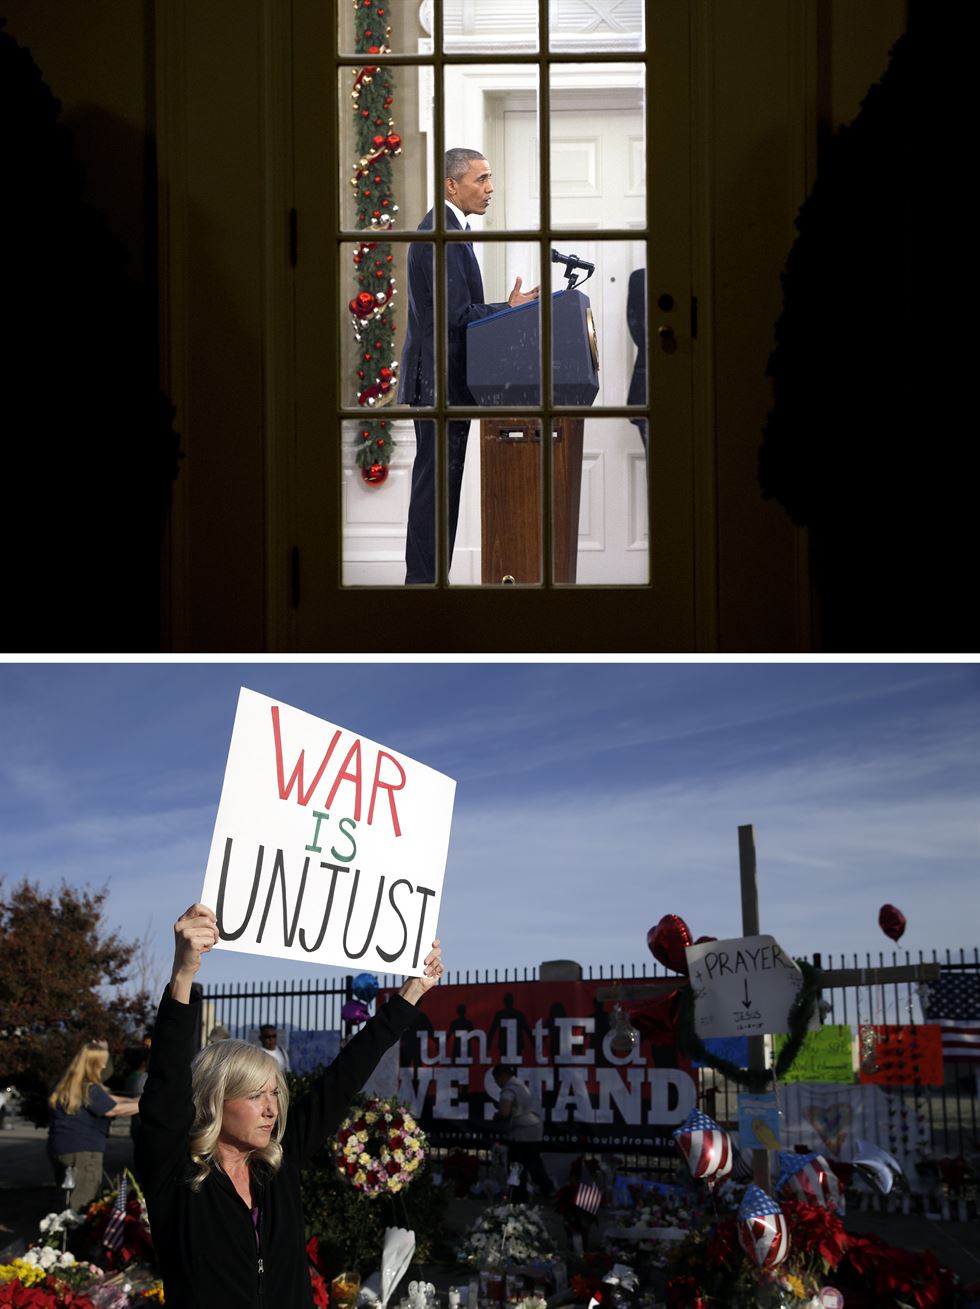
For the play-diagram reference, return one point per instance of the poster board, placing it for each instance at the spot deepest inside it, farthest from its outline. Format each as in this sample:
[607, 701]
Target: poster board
[328, 847]
[744, 986]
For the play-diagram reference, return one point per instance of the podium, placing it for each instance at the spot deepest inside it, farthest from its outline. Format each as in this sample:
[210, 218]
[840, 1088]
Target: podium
[503, 368]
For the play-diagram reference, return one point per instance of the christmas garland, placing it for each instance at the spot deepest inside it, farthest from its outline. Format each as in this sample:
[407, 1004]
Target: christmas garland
[753, 1079]
[371, 307]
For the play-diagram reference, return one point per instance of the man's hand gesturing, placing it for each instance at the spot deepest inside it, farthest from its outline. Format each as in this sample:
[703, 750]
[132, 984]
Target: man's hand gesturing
[519, 297]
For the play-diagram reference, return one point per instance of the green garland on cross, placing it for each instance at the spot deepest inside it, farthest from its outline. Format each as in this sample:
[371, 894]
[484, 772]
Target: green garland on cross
[371, 308]
[752, 1079]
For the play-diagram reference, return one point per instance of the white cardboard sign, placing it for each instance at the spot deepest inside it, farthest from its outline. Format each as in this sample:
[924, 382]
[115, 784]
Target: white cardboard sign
[328, 848]
[742, 987]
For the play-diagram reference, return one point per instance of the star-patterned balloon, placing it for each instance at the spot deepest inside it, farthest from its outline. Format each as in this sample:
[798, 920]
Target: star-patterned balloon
[810, 1178]
[762, 1230]
[706, 1147]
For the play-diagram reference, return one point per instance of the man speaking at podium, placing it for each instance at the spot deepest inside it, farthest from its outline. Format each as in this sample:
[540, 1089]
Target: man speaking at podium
[468, 190]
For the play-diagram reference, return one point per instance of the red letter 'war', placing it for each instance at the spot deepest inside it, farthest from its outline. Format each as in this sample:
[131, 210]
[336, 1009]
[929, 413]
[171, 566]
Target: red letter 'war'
[296, 777]
[390, 787]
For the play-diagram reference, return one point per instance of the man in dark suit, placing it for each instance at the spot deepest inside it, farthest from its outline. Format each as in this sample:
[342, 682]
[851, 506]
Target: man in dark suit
[468, 190]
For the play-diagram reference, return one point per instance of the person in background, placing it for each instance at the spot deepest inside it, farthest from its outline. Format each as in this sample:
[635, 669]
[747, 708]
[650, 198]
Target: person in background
[522, 1123]
[636, 319]
[80, 1112]
[269, 1039]
[222, 1146]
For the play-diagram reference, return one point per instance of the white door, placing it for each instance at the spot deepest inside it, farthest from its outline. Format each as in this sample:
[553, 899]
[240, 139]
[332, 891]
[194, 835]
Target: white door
[597, 181]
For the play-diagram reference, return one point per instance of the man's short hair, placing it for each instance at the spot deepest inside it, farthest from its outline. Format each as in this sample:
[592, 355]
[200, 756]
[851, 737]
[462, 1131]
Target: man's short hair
[268, 1029]
[458, 161]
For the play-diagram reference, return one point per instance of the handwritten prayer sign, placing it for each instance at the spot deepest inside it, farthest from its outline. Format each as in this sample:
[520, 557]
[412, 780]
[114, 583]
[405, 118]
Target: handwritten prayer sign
[742, 987]
[328, 848]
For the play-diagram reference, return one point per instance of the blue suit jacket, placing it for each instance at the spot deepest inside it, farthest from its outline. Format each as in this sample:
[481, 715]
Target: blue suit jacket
[464, 303]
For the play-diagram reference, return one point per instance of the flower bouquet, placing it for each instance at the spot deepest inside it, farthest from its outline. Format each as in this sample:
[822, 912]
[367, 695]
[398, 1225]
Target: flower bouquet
[379, 1148]
[506, 1234]
[709, 1269]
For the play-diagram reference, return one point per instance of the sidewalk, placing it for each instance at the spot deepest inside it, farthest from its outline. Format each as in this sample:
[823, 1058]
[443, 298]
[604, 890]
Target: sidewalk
[27, 1185]
[27, 1193]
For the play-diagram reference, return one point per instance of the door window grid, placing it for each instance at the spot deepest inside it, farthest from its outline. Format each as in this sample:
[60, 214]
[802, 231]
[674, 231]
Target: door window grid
[440, 412]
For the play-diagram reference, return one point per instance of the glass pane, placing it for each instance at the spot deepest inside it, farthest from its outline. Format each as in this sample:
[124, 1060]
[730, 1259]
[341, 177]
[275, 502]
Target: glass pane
[379, 26]
[600, 357]
[491, 115]
[597, 146]
[590, 25]
[598, 322]
[496, 25]
[600, 532]
[382, 180]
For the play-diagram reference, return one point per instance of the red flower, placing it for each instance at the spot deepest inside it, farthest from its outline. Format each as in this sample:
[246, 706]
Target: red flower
[684, 1293]
[816, 1230]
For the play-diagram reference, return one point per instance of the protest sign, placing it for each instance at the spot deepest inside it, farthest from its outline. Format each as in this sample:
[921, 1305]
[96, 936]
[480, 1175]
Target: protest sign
[327, 848]
[742, 987]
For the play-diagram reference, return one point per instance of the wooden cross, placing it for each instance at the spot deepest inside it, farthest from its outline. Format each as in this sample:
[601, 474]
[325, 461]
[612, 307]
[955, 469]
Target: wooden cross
[829, 979]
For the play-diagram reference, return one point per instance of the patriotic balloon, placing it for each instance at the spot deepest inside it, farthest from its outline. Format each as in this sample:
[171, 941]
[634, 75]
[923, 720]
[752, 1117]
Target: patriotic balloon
[810, 1178]
[706, 1147]
[891, 921]
[762, 1230]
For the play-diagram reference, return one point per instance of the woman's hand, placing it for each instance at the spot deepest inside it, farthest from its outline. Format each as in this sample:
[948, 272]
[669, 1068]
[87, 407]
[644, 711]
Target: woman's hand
[195, 933]
[432, 970]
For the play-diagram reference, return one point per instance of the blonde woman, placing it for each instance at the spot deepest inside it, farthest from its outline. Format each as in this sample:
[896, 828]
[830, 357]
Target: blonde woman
[221, 1147]
[81, 1109]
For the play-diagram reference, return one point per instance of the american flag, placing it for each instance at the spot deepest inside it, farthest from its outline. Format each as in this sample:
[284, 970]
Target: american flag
[588, 1197]
[953, 1003]
[112, 1237]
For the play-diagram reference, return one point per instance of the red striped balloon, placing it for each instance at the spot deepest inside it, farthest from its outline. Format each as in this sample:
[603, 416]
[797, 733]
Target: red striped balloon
[706, 1147]
[762, 1230]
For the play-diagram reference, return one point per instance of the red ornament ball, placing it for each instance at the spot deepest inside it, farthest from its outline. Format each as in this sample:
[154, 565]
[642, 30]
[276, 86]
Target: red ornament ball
[377, 142]
[394, 141]
[375, 475]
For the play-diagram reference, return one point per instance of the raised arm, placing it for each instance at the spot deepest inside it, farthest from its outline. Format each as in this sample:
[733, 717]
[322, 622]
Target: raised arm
[414, 988]
[195, 933]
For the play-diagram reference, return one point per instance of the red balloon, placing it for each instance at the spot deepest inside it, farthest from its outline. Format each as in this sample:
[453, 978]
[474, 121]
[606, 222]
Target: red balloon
[891, 921]
[668, 940]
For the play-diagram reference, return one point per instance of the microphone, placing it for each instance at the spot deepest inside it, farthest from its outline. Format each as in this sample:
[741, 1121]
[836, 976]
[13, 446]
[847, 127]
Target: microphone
[571, 262]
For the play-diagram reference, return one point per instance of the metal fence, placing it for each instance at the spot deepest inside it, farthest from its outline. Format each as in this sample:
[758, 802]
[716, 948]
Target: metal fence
[948, 1116]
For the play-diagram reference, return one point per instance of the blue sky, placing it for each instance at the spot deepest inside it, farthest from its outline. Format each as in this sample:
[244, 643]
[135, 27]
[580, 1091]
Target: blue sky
[591, 798]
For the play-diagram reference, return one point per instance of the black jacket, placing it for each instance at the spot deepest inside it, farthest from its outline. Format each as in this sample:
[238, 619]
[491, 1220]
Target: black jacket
[464, 304]
[204, 1240]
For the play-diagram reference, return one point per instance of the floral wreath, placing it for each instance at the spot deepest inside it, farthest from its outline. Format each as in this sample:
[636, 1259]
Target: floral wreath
[379, 1148]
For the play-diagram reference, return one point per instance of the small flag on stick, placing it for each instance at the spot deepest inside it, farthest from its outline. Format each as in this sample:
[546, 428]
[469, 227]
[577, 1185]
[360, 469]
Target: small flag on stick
[112, 1237]
[588, 1197]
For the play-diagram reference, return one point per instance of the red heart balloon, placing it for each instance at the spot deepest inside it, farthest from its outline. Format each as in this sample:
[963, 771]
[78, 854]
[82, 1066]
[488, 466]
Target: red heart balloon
[891, 921]
[667, 942]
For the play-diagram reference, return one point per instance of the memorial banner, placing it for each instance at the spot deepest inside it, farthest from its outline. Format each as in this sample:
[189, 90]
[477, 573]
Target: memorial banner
[327, 848]
[557, 1035]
